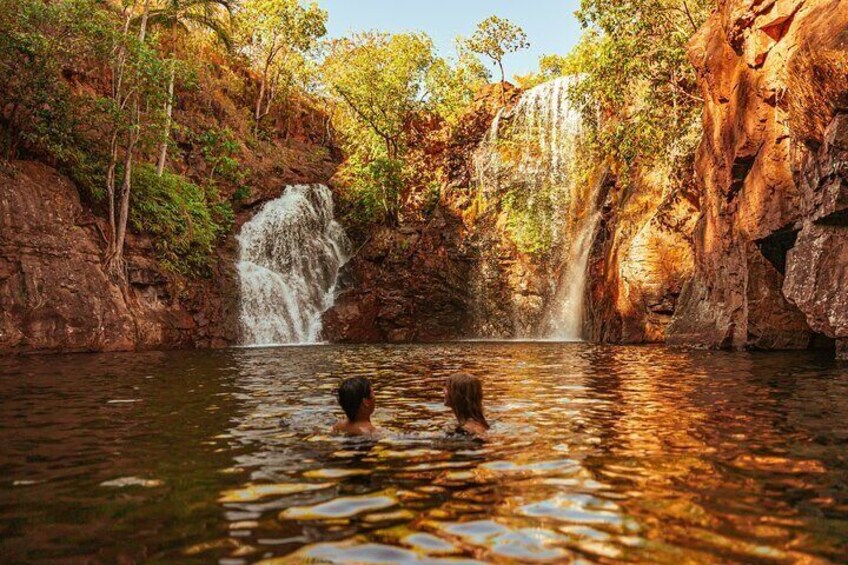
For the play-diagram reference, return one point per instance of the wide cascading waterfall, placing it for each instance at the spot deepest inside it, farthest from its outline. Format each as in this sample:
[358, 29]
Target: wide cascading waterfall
[530, 151]
[289, 261]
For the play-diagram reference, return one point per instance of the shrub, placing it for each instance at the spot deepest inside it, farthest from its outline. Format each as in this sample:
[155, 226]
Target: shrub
[184, 219]
[374, 188]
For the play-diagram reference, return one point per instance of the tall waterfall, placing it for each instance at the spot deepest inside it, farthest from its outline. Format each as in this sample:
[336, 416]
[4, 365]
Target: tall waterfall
[531, 149]
[289, 260]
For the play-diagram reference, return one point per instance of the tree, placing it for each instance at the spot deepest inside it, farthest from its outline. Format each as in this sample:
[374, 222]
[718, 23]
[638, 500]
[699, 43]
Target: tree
[635, 72]
[182, 17]
[380, 80]
[134, 71]
[452, 86]
[276, 35]
[380, 85]
[495, 38]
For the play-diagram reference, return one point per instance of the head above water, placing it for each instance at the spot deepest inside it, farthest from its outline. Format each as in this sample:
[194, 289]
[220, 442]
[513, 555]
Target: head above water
[356, 397]
[464, 394]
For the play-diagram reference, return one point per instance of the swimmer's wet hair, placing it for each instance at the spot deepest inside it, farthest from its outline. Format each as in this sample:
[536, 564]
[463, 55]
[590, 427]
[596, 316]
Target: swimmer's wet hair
[465, 393]
[352, 392]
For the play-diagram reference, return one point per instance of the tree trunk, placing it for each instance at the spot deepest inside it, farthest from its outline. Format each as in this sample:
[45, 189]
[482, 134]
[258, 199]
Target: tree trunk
[126, 188]
[142, 30]
[110, 183]
[118, 97]
[169, 109]
[257, 114]
[115, 256]
[503, 82]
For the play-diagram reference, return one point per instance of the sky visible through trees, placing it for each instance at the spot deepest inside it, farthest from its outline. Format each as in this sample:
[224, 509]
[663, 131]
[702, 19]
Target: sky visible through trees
[550, 24]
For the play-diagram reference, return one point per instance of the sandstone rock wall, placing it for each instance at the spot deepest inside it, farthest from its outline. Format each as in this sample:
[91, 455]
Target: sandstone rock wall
[771, 243]
[458, 275]
[451, 274]
[641, 258]
[55, 295]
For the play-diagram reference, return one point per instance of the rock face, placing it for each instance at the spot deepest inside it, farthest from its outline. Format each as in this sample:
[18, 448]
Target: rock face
[406, 285]
[451, 274]
[457, 274]
[55, 295]
[641, 258]
[771, 244]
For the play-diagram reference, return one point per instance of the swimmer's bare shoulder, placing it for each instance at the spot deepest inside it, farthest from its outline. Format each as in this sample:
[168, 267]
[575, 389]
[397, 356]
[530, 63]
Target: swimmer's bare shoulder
[354, 429]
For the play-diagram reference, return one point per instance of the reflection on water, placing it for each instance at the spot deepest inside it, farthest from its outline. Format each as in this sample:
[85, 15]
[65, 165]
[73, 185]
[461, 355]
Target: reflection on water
[597, 455]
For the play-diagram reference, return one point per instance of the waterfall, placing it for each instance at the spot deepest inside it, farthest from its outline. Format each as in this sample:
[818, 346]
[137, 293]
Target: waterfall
[564, 316]
[530, 150]
[289, 260]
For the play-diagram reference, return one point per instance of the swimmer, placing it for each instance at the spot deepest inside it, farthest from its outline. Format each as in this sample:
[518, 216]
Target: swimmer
[356, 397]
[464, 395]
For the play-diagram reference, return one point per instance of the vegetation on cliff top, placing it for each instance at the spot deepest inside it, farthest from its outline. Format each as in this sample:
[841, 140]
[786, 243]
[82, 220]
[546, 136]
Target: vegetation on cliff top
[168, 113]
[640, 106]
[385, 89]
[107, 90]
[637, 87]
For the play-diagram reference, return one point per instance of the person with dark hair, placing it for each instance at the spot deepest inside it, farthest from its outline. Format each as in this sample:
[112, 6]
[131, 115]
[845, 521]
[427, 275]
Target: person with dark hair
[464, 395]
[356, 397]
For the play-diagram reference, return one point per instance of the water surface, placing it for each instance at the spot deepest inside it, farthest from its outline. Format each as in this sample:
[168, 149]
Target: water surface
[597, 455]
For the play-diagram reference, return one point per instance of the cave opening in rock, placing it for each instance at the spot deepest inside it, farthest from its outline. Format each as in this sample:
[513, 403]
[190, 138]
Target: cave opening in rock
[776, 246]
[836, 219]
[821, 342]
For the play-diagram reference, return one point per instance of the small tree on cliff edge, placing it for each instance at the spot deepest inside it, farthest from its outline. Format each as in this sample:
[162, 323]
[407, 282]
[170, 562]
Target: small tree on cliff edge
[495, 37]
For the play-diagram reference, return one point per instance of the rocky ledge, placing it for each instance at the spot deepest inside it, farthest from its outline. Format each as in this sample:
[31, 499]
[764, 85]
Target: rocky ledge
[56, 296]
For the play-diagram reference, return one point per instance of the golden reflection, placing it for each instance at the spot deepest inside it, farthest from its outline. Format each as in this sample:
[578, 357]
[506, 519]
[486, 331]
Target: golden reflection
[596, 454]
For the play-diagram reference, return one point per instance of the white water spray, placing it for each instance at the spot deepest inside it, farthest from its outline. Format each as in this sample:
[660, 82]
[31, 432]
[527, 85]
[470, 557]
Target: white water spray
[532, 148]
[289, 261]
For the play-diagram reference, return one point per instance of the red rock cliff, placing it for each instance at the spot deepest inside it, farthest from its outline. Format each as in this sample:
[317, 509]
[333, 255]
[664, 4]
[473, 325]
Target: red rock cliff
[771, 243]
[55, 295]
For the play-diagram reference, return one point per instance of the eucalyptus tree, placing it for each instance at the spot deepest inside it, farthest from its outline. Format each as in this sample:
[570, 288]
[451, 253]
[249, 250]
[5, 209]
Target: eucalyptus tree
[496, 37]
[381, 81]
[181, 17]
[276, 35]
[135, 72]
[380, 84]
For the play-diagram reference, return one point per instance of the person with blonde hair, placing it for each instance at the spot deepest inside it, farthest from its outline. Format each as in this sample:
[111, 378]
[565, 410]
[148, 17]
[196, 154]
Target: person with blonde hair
[464, 395]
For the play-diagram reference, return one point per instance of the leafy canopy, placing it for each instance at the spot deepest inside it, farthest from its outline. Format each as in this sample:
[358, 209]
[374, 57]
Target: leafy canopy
[267, 28]
[496, 37]
[380, 80]
[637, 88]
[386, 90]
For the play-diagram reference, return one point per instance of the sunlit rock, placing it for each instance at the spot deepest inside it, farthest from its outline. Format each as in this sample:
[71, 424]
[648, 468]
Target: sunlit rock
[769, 246]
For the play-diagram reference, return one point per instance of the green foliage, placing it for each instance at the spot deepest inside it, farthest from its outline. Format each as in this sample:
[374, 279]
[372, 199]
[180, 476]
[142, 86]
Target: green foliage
[276, 36]
[178, 17]
[184, 219]
[637, 90]
[269, 27]
[374, 187]
[452, 87]
[380, 81]
[383, 86]
[220, 150]
[38, 40]
[496, 37]
[530, 221]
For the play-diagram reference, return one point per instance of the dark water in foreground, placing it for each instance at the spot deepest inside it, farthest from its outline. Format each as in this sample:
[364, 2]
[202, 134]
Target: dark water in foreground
[599, 455]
